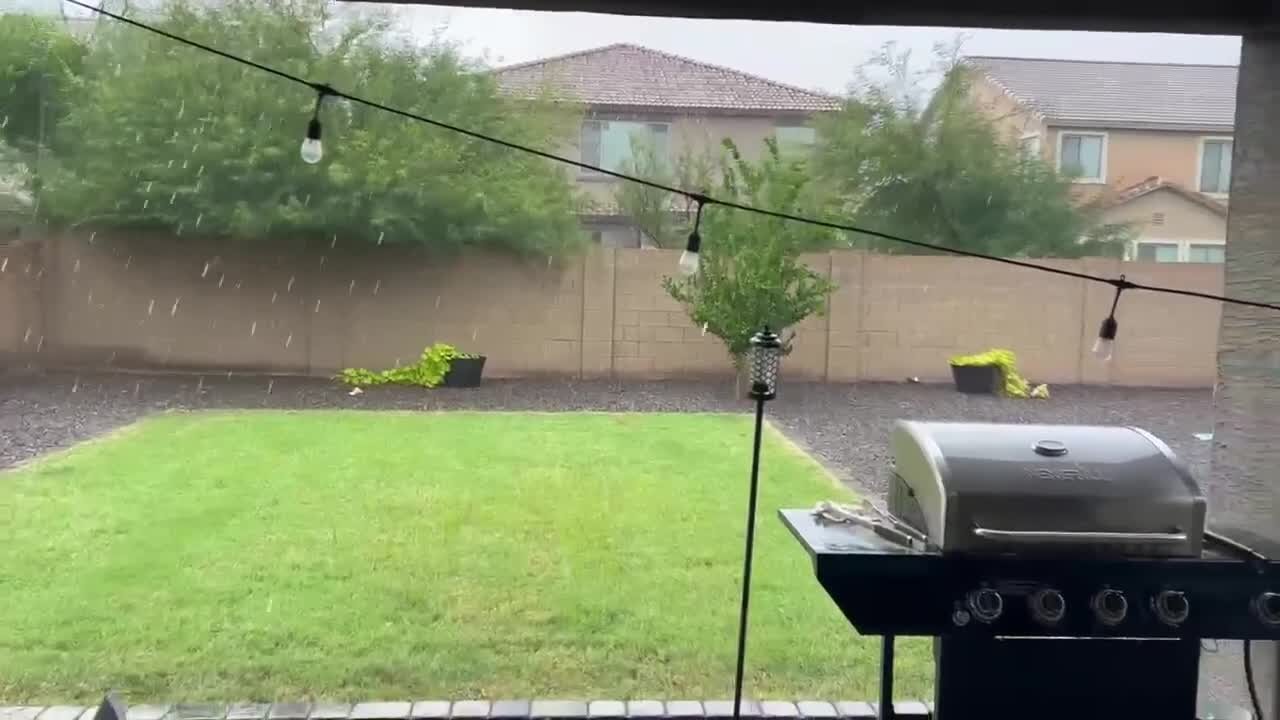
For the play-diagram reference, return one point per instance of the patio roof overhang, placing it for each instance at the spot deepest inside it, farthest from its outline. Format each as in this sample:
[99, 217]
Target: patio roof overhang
[1180, 16]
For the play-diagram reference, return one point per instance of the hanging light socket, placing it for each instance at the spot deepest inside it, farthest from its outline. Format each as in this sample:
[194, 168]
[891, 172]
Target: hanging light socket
[1104, 347]
[690, 260]
[312, 151]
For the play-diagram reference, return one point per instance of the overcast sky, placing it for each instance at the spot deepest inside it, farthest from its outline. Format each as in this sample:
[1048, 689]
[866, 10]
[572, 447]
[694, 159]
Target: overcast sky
[812, 56]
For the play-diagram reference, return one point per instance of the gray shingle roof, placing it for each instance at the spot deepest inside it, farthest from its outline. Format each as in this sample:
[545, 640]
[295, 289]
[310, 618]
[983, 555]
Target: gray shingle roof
[625, 75]
[1119, 95]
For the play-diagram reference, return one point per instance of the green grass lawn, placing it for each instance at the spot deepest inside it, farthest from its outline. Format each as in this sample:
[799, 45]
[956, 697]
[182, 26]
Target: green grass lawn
[350, 555]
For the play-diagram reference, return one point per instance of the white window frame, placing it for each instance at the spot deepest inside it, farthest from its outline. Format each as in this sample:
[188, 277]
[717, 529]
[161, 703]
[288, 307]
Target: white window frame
[1183, 245]
[1102, 161]
[1200, 163]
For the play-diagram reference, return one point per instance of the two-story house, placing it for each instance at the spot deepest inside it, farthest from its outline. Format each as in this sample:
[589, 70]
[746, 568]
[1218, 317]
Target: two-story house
[1151, 142]
[674, 103]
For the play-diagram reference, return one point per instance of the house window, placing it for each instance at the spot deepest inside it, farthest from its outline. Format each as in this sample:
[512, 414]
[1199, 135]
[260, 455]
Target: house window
[610, 144]
[1205, 253]
[1029, 145]
[1083, 156]
[1158, 252]
[794, 139]
[1215, 166]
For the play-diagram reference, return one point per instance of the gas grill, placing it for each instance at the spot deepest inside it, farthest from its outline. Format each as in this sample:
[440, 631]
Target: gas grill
[1063, 571]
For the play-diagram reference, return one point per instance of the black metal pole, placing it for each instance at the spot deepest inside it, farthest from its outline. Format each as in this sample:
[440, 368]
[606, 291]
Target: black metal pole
[886, 677]
[746, 563]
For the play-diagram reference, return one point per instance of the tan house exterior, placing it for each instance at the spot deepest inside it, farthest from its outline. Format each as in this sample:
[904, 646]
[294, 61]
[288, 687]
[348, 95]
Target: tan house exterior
[1150, 142]
[678, 104]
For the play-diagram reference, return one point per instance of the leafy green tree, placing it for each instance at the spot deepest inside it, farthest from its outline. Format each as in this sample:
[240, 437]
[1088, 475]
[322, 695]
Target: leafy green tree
[751, 273]
[933, 167]
[663, 218]
[165, 136]
[39, 66]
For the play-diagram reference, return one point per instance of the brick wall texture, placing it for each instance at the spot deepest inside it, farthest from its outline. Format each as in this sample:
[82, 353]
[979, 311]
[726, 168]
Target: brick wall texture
[148, 303]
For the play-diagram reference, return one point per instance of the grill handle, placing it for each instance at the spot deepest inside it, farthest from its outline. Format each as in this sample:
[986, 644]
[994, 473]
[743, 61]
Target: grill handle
[1079, 537]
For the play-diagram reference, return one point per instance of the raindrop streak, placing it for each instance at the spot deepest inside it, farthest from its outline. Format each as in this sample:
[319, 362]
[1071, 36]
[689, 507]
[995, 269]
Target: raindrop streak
[179, 230]
[145, 203]
[307, 200]
[149, 184]
[90, 301]
[317, 306]
[253, 329]
[151, 306]
[112, 357]
[200, 171]
[274, 295]
[321, 261]
[40, 343]
[548, 261]
[437, 302]
[92, 236]
[76, 268]
[4, 264]
[380, 237]
[237, 285]
[288, 341]
[75, 385]
[289, 287]
[205, 271]
[200, 385]
[334, 244]
[351, 288]
[474, 332]
[229, 374]
[26, 337]
[270, 384]
[222, 279]
[199, 218]
[184, 164]
[170, 164]
[173, 311]
[128, 261]
[174, 196]
[182, 108]
[5, 123]
[376, 285]
[137, 390]
[704, 329]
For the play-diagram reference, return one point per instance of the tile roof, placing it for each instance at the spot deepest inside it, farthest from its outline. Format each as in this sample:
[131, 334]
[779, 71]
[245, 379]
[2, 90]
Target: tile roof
[1118, 94]
[1155, 183]
[628, 75]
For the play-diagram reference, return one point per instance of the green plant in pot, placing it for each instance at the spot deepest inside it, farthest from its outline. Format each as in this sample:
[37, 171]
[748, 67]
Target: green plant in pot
[993, 372]
[439, 364]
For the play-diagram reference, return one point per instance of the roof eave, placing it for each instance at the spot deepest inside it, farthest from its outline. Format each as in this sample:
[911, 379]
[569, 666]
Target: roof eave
[1092, 124]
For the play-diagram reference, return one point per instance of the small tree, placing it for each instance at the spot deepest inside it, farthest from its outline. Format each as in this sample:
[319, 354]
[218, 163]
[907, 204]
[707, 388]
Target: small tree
[751, 274]
[664, 219]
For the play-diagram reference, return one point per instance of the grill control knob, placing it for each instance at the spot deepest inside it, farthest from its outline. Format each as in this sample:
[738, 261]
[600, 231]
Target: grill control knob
[985, 604]
[1267, 608]
[1110, 606]
[1172, 607]
[1048, 607]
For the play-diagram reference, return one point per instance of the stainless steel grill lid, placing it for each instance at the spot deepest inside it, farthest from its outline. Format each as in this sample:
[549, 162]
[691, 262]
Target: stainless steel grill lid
[975, 487]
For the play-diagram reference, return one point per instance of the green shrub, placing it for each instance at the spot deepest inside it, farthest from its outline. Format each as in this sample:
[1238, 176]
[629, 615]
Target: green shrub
[428, 372]
[1014, 384]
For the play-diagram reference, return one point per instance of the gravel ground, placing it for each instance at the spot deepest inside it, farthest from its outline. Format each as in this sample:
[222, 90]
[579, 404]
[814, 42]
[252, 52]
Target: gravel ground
[845, 426]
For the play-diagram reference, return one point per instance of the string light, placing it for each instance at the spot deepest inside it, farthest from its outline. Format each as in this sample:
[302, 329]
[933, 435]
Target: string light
[312, 151]
[1104, 347]
[689, 259]
[701, 199]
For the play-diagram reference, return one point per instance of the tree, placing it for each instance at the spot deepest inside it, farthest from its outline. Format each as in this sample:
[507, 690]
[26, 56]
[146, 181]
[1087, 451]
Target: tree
[663, 218]
[39, 66]
[937, 170]
[167, 137]
[751, 274]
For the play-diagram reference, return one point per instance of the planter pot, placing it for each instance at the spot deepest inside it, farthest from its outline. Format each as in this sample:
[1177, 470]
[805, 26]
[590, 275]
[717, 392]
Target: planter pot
[977, 379]
[464, 372]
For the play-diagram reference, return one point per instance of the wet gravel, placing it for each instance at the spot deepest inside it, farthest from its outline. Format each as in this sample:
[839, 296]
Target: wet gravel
[845, 426]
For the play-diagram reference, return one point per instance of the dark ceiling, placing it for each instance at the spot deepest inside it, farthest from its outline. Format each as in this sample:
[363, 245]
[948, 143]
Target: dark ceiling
[1232, 17]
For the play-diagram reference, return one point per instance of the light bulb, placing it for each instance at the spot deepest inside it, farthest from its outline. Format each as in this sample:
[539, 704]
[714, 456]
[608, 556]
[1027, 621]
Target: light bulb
[689, 259]
[1104, 348]
[312, 151]
[689, 263]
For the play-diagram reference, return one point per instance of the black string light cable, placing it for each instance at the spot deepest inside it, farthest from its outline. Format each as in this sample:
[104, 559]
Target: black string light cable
[701, 199]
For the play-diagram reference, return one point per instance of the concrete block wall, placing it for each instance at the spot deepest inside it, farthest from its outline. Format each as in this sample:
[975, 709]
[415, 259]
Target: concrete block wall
[142, 302]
